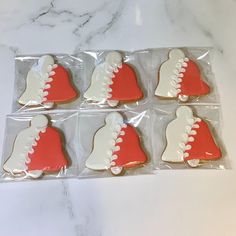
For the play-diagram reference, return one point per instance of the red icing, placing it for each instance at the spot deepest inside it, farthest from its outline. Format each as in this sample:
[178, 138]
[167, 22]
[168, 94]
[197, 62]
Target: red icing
[61, 89]
[130, 153]
[203, 146]
[192, 83]
[48, 154]
[125, 86]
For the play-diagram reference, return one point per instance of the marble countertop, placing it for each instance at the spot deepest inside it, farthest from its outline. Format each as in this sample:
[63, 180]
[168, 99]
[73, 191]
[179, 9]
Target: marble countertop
[169, 203]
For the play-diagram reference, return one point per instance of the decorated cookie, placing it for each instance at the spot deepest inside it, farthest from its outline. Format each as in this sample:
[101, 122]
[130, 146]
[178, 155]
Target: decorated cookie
[47, 83]
[36, 150]
[189, 139]
[116, 146]
[113, 81]
[180, 77]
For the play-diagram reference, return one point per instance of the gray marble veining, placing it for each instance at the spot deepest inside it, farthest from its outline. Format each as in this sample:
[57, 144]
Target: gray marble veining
[170, 203]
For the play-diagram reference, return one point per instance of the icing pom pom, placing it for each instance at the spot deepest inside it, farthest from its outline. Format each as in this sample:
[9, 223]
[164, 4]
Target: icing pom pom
[39, 121]
[113, 58]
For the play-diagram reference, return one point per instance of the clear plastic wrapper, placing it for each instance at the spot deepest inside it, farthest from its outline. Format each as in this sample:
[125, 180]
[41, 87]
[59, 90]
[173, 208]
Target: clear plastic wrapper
[77, 131]
[30, 152]
[136, 60]
[90, 123]
[144, 63]
[201, 56]
[83, 121]
[164, 115]
[23, 66]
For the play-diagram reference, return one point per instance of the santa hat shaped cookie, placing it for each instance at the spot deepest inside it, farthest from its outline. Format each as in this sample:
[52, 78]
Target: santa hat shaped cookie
[36, 150]
[189, 139]
[116, 146]
[47, 83]
[180, 77]
[113, 81]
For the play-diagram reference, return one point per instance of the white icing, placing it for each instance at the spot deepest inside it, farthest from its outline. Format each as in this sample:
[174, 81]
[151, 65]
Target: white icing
[112, 103]
[34, 173]
[99, 89]
[23, 145]
[48, 105]
[105, 143]
[183, 98]
[43, 63]
[38, 79]
[194, 162]
[116, 170]
[179, 132]
[171, 74]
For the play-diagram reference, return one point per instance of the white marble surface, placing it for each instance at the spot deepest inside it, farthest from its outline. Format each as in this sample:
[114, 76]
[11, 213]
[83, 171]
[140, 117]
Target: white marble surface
[169, 203]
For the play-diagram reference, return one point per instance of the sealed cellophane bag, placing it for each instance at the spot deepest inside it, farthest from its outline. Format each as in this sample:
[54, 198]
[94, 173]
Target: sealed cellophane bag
[112, 113]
